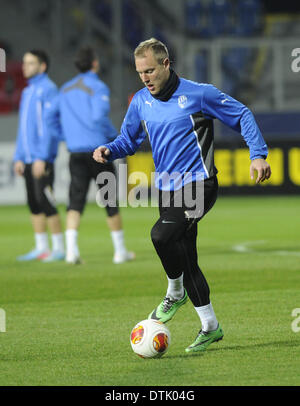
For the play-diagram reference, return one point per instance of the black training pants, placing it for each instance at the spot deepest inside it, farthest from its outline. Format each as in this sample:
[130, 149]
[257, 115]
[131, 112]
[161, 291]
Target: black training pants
[174, 237]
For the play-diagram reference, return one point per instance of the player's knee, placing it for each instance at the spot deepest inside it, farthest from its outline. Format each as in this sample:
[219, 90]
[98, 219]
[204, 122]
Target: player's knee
[77, 202]
[34, 209]
[158, 237]
[111, 210]
[34, 205]
[50, 211]
[48, 208]
[168, 230]
[76, 207]
[47, 203]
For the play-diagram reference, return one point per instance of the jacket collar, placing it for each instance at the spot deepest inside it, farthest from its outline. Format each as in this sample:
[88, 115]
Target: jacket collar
[90, 73]
[170, 87]
[37, 78]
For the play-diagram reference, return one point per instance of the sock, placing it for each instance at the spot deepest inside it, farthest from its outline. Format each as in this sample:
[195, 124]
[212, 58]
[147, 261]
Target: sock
[41, 241]
[71, 242]
[118, 241]
[207, 316]
[58, 242]
[175, 288]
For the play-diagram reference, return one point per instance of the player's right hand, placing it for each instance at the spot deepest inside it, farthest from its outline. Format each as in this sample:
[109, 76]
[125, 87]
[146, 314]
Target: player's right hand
[262, 168]
[100, 154]
[19, 168]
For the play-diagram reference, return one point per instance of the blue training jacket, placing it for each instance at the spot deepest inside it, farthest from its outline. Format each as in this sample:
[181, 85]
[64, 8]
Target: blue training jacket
[83, 108]
[35, 139]
[180, 130]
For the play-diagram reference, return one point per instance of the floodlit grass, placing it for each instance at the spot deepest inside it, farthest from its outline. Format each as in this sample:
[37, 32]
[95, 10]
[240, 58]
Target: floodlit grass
[70, 325]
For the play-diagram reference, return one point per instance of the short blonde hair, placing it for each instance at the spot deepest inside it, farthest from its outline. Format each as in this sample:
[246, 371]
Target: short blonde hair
[160, 51]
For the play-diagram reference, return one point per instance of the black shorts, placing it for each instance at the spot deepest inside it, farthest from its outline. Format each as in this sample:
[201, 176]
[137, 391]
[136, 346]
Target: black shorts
[40, 197]
[83, 168]
[177, 220]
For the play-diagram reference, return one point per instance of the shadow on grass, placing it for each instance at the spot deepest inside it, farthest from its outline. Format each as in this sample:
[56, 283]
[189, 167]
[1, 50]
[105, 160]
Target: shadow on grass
[237, 348]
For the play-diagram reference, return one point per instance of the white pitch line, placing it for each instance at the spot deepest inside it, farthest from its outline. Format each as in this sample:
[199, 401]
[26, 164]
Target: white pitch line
[293, 253]
[245, 247]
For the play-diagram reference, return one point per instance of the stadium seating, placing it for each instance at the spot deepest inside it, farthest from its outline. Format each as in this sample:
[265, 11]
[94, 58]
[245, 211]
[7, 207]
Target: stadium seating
[194, 15]
[234, 63]
[209, 19]
[201, 68]
[220, 17]
[248, 19]
[206, 19]
[103, 11]
[132, 26]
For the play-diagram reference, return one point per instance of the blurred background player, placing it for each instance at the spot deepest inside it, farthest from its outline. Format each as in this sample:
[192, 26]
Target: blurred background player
[83, 108]
[36, 150]
[182, 143]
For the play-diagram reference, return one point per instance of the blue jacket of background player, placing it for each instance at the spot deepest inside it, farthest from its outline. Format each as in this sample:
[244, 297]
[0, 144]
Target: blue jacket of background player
[83, 108]
[181, 132]
[35, 139]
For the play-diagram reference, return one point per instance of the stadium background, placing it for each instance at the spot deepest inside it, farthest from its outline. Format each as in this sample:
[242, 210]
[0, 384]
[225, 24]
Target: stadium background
[243, 47]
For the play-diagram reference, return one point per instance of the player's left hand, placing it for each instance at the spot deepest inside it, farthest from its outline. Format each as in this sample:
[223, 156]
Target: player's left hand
[38, 169]
[262, 168]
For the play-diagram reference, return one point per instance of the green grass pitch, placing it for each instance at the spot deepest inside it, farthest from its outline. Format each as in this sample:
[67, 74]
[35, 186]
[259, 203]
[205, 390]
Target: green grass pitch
[70, 325]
